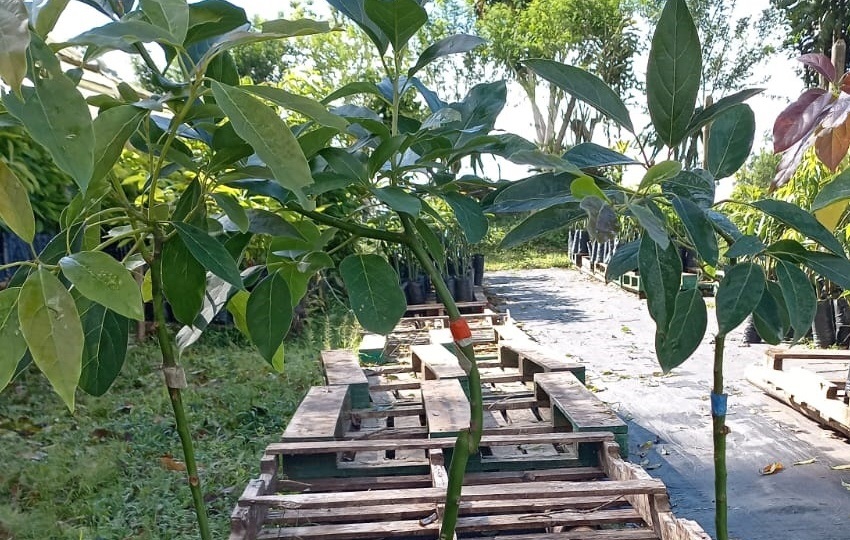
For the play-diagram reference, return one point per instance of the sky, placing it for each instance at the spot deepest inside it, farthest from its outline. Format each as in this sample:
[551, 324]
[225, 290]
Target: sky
[783, 83]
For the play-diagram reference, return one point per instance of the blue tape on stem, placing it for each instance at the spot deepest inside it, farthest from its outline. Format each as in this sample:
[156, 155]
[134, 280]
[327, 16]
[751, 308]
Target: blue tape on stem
[718, 404]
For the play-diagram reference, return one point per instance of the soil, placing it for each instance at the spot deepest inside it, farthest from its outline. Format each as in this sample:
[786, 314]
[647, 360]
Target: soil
[669, 416]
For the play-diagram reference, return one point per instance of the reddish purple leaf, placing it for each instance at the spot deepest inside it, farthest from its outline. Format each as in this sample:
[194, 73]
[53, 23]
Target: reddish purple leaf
[832, 144]
[800, 118]
[820, 63]
[790, 161]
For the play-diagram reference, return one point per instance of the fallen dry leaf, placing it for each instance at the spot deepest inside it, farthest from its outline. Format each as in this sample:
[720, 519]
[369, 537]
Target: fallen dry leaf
[171, 464]
[806, 461]
[773, 468]
[846, 485]
[840, 468]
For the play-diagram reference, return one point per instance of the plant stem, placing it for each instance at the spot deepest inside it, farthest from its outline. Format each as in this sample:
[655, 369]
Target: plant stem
[353, 228]
[169, 361]
[468, 439]
[719, 422]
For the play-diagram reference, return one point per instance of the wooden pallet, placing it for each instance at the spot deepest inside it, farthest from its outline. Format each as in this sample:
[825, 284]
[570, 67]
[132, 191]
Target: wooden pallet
[810, 381]
[434, 308]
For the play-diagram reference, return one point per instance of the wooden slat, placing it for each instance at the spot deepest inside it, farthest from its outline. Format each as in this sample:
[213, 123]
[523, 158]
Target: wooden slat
[321, 416]
[446, 407]
[527, 490]
[510, 331]
[342, 367]
[317, 447]
[435, 362]
[532, 358]
[581, 407]
[616, 534]
[544, 475]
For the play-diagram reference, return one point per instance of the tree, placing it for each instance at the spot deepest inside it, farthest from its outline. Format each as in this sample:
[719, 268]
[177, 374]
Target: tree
[597, 35]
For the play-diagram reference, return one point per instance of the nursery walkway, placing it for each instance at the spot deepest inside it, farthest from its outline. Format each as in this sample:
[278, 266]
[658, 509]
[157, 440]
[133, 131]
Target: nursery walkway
[669, 417]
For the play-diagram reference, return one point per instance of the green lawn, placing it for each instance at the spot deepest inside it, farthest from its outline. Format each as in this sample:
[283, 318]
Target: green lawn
[103, 473]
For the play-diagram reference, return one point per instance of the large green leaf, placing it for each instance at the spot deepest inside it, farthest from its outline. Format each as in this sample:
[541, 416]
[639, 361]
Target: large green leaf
[55, 114]
[661, 277]
[832, 267]
[799, 296]
[210, 253]
[398, 199]
[235, 211]
[297, 281]
[14, 345]
[123, 36]
[212, 18]
[106, 335]
[432, 242]
[585, 87]
[469, 215]
[112, 128]
[458, 43]
[768, 317]
[540, 223]
[46, 15]
[673, 73]
[698, 186]
[660, 172]
[585, 186]
[356, 11]
[838, 189]
[15, 208]
[398, 20]
[685, 332]
[802, 221]
[51, 327]
[270, 137]
[624, 259]
[745, 246]
[536, 193]
[170, 15]
[738, 295]
[304, 105]
[99, 277]
[376, 298]
[591, 155]
[730, 140]
[183, 280]
[14, 40]
[708, 114]
[699, 229]
[268, 314]
[652, 224]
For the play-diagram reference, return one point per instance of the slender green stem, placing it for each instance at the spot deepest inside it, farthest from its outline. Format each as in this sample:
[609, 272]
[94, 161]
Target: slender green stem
[169, 362]
[719, 423]
[353, 228]
[468, 439]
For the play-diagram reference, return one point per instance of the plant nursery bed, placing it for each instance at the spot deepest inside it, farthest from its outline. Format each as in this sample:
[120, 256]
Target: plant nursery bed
[809, 380]
[365, 455]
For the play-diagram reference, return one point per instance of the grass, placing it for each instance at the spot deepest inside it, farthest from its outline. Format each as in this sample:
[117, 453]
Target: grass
[106, 472]
[522, 259]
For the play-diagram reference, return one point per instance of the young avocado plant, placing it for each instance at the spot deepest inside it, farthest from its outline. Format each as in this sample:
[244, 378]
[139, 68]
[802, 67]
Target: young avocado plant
[674, 207]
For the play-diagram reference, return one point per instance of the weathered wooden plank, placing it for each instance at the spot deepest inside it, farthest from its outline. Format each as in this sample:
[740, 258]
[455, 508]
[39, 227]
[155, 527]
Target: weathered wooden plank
[572, 474]
[509, 331]
[610, 534]
[435, 362]
[446, 407]
[778, 355]
[532, 358]
[342, 367]
[316, 447]
[321, 416]
[371, 348]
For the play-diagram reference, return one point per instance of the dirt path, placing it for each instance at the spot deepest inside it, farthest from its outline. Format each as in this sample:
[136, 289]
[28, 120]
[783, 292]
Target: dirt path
[610, 330]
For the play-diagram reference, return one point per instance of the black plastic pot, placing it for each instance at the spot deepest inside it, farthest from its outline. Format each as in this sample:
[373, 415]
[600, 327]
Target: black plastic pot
[478, 269]
[464, 291]
[414, 293]
[583, 243]
[823, 327]
[751, 335]
[842, 322]
[450, 285]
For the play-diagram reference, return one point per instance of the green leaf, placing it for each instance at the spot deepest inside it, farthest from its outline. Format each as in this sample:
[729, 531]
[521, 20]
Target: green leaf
[14, 345]
[106, 335]
[51, 327]
[540, 223]
[720, 106]
[801, 221]
[304, 105]
[210, 253]
[832, 267]
[15, 208]
[458, 43]
[123, 36]
[697, 186]
[170, 15]
[14, 40]
[295, 28]
[237, 306]
[730, 140]
[376, 298]
[346, 164]
[536, 193]
[723, 224]
[384, 152]
[432, 242]
[659, 173]
[357, 87]
[584, 86]
[838, 189]
[398, 199]
[469, 216]
[213, 18]
[661, 277]
[685, 332]
[699, 229]
[739, 293]
[799, 296]
[237, 214]
[652, 224]
[99, 277]
[297, 281]
[624, 259]
[270, 137]
[183, 281]
[585, 186]
[112, 128]
[745, 246]
[56, 115]
[268, 314]
[398, 20]
[356, 11]
[768, 317]
[46, 15]
[189, 204]
[591, 155]
[673, 73]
